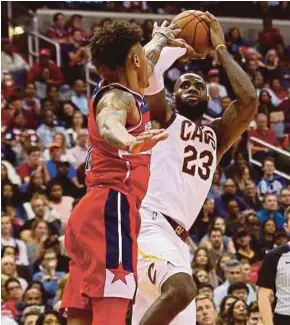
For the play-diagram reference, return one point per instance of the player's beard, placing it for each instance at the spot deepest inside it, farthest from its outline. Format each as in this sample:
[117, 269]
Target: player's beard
[192, 111]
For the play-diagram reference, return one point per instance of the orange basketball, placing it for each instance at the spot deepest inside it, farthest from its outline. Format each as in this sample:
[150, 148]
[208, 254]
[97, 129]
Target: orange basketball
[195, 31]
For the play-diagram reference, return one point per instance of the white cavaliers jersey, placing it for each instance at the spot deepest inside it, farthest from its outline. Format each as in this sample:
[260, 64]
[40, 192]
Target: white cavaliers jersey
[182, 168]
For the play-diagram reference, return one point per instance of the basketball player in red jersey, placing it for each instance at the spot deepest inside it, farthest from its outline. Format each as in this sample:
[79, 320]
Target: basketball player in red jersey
[102, 230]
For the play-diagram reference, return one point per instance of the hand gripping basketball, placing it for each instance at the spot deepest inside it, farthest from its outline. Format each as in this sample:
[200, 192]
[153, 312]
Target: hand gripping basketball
[217, 37]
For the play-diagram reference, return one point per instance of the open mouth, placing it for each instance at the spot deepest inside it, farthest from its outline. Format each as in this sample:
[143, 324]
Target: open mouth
[192, 98]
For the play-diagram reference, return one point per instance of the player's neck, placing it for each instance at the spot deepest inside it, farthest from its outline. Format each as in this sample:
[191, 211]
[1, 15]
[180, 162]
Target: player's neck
[128, 80]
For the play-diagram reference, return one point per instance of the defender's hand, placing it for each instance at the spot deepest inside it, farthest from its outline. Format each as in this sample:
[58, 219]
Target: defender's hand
[147, 140]
[190, 52]
[168, 31]
[216, 32]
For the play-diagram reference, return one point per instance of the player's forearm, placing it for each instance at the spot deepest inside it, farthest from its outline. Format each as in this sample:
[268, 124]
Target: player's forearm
[265, 308]
[115, 134]
[242, 85]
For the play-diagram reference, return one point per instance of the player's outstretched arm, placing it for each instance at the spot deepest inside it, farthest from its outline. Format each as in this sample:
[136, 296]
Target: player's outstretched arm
[112, 114]
[239, 114]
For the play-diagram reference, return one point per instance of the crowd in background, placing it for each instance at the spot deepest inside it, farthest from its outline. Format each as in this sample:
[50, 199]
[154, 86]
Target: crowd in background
[44, 148]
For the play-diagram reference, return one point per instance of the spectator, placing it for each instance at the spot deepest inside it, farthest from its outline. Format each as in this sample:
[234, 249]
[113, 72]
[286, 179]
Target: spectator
[283, 54]
[263, 133]
[213, 76]
[30, 318]
[254, 314]
[269, 229]
[66, 112]
[53, 97]
[230, 193]
[285, 200]
[62, 205]
[30, 102]
[75, 58]
[80, 151]
[32, 164]
[206, 290]
[260, 85]
[47, 129]
[77, 126]
[58, 31]
[239, 290]
[277, 88]
[36, 185]
[214, 103]
[34, 296]
[9, 268]
[220, 266]
[201, 277]
[206, 313]
[202, 261]
[54, 73]
[269, 183]
[49, 276]
[233, 274]
[251, 196]
[270, 211]
[271, 66]
[244, 250]
[50, 317]
[216, 187]
[203, 220]
[147, 28]
[234, 40]
[8, 87]
[265, 103]
[15, 291]
[237, 313]
[226, 303]
[8, 240]
[78, 96]
[12, 61]
[8, 174]
[75, 22]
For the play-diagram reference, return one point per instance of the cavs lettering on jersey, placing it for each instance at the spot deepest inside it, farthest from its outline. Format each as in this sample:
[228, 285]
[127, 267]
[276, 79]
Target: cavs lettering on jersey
[117, 169]
[182, 169]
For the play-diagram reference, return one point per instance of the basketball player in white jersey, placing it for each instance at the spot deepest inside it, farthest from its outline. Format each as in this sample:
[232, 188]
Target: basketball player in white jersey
[182, 168]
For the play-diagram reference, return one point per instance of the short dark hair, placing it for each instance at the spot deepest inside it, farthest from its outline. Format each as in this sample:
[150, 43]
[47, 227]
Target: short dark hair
[10, 281]
[238, 286]
[212, 229]
[203, 297]
[254, 307]
[111, 45]
[32, 149]
[55, 16]
[205, 285]
[268, 159]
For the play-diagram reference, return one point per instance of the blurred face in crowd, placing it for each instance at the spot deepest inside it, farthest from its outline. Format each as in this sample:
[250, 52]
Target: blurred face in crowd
[83, 140]
[33, 158]
[214, 91]
[276, 85]
[271, 57]
[270, 227]
[51, 319]
[53, 92]
[285, 197]
[240, 311]
[6, 225]
[8, 265]
[216, 239]
[259, 81]
[78, 119]
[59, 138]
[271, 203]
[30, 90]
[48, 118]
[15, 290]
[201, 257]
[49, 260]
[233, 273]
[287, 224]
[240, 294]
[244, 241]
[250, 189]
[246, 272]
[8, 191]
[30, 320]
[60, 22]
[206, 291]
[264, 97]
[208, 206]
[228, 304]
[4, 173]
[225, 102]
[77, 36]
[56, 192]
[17, 104]
[37, 179]
[255, 318]
[233, 208]
[20, 121]
[202, 276]
[38, 207]
[79, 87]
[220, 223]
[41, 230]
[33, 296]
[224, 260]
[216, 177]
[205, 312]
[68, 109]
[252, 65]
[262, 122]
[55, 154]
[230, 187]
[10, 251]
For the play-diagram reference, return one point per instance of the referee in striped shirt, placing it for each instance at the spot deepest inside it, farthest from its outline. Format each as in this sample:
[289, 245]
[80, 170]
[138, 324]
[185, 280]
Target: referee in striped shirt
[275, 276]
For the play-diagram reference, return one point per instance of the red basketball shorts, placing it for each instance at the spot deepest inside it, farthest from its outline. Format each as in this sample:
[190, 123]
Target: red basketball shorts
[101, 240]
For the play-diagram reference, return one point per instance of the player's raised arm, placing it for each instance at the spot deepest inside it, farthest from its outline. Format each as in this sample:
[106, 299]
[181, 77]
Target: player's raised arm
[239, 114]
[113, 111]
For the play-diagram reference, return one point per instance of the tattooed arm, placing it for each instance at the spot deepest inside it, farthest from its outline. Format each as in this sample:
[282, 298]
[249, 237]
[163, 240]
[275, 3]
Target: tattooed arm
[239, 114]
[114, 110]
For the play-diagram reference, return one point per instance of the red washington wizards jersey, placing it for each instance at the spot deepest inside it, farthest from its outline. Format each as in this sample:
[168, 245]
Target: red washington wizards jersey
[110, 167]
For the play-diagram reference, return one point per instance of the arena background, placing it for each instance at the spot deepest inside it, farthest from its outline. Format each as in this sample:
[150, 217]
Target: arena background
[46, 83]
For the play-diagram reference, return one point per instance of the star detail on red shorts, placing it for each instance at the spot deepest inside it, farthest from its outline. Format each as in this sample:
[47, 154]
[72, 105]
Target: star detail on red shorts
[119, 274]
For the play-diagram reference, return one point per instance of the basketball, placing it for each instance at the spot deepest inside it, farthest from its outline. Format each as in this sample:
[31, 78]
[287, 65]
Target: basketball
[195, 31]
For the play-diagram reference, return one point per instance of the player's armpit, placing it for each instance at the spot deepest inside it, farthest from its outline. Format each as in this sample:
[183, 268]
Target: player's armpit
[232, 124]
[112, 112]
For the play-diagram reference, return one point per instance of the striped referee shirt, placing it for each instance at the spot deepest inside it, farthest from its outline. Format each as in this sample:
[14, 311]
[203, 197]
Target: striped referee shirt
[275, 275]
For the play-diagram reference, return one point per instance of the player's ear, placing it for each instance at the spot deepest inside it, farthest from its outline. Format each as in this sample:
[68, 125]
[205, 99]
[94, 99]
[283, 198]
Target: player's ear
[136, 60]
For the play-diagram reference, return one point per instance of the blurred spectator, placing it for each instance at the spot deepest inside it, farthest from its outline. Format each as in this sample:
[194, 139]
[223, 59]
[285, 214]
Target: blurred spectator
[50, 317]
[206, 290]
[214, 103]
[270, 211]
[77, 126]
[220, 266]
[14, 291]
[8, 86]
[265, 102]
[226, 303]
[269, 229]
[203, 219]
[66, 112]
[32, 164]
[216, 187]
[237, 313]
[269, 37]
[206, 313]
[36, 71]
[251, 196]
[213, 76]
[277, 88]
[47, 129]
[147, 31]
[30, 102]
[285, 200]
[254, 314]
[284, 55]
[271, 66]
[135, 6]
[239, 290]
[58, 31]
[10, 60]
[8, 174]
[269, 183]
[234, 40]
[75, 22]
[233, 274]
[230, 193]
[79, 97]
[244, 250]
[260, 85]
[80, 150]
[7, 239]
[8, 267]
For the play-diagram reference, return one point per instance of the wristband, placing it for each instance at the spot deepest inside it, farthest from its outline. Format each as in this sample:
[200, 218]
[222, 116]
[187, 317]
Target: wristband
[220, 46]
